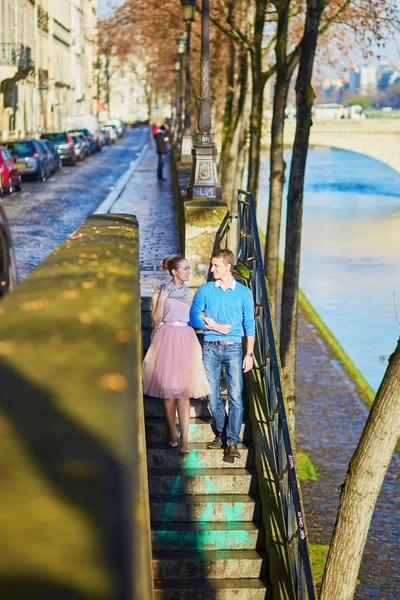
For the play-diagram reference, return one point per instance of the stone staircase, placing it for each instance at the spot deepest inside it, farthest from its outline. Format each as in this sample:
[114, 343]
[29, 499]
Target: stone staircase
[207, 535]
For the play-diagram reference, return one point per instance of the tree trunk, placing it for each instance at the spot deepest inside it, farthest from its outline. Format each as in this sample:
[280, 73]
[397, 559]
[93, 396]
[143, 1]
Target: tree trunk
[304, 102]
[285, 69]
[232, 146]
[258, 80]
[361, 487]
[277, 163]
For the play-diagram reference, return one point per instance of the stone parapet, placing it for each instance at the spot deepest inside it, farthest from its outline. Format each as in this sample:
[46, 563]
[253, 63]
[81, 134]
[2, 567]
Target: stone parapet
[204, 224]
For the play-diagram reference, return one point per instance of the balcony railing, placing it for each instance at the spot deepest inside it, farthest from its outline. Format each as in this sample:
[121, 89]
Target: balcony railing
[16, 55]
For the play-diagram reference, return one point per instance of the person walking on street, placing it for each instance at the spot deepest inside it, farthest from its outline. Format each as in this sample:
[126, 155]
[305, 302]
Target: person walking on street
[229, 314]
[162, 139]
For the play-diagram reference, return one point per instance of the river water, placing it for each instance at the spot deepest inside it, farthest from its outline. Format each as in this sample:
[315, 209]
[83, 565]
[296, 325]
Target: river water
[350, 252]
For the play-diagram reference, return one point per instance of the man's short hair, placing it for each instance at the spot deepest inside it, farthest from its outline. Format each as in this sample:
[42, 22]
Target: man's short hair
[227, 255]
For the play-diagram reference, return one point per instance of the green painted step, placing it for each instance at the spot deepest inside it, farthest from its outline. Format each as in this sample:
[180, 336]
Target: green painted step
[210, 564]
[199, 430]
[208, 507]
[202, 481]
[207, 536]
[159, 456]
[217, 589]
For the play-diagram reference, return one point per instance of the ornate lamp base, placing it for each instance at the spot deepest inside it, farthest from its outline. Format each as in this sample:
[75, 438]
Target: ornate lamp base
[204, 175]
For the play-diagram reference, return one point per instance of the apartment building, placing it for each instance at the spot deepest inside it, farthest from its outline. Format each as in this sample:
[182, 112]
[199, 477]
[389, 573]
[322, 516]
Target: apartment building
[48, 64]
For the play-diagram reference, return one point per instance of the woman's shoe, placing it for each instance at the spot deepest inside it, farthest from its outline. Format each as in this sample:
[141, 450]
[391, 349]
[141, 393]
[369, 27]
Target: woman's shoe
[173, 444]
[183, 451]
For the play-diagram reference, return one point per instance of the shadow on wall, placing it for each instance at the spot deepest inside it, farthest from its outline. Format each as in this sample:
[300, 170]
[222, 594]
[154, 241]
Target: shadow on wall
[61, 502]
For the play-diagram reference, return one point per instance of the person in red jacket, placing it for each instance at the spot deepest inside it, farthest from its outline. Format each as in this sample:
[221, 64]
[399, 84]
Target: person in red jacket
[154, 130]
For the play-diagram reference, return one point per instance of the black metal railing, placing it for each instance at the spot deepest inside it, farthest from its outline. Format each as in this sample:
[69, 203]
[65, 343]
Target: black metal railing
[16, 55]
[249, 254]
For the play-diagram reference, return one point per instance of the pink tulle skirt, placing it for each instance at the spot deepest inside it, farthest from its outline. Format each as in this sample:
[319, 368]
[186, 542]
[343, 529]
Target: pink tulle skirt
[173, 366]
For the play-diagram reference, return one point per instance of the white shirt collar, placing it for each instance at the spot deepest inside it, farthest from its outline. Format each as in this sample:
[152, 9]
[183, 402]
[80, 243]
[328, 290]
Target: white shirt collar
[218, 283]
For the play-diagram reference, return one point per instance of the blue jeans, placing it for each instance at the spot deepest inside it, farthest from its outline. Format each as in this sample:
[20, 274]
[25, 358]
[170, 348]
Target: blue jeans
[214, 357]
[160, 167]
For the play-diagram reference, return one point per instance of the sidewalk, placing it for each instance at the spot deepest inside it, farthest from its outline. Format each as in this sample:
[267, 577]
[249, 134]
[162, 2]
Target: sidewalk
[330, 415]
[153, 204]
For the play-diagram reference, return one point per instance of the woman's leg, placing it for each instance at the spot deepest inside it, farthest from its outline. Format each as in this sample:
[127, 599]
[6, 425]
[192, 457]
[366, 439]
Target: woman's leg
[183, 406]
[170, 413]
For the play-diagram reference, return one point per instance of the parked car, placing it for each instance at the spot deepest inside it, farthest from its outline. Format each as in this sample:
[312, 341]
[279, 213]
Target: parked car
[8, 265]
[89, 141]
[119, 124]
[89, 122]
[79, 148]
[64, 146]
[10, 175]
[30, 158]
[48, 161]
[55, 157]
[106, 137]
[112, 130]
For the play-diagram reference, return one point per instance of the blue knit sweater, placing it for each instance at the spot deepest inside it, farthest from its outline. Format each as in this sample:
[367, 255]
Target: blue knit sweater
[231, 307]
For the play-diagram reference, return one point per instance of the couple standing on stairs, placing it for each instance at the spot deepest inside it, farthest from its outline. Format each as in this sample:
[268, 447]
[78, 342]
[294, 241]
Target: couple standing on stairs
[176, 368]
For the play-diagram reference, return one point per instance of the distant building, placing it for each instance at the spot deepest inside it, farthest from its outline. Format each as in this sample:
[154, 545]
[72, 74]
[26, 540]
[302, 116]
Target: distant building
[364, 80]
[388, 74]
[48, 64]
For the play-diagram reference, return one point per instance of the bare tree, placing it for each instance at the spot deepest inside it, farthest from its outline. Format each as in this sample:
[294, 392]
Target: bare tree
[304, 102]
[360, 490]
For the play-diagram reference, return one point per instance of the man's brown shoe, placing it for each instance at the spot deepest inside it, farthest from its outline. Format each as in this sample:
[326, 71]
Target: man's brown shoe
[216, 443]
[233, 451]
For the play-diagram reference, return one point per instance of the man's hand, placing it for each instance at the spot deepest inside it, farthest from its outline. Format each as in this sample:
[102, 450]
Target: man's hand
[224, 329]
[248, 363]
[211, 325]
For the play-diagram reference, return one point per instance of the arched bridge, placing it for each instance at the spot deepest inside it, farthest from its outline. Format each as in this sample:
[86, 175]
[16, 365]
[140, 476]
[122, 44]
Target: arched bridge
[377, 138]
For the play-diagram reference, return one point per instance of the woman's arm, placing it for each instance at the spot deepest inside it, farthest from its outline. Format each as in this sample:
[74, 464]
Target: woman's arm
[157, 305]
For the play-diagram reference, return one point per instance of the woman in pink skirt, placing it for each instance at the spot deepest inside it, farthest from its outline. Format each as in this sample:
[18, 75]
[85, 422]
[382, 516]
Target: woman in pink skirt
[173, 367]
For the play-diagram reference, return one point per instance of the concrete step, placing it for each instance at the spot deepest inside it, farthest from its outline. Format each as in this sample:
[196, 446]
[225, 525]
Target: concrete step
[159, 456]
[199, 430]
[202, 481]
[210, 507]
[153, 407]
[207, 536]
[216, 589]
[210, 564]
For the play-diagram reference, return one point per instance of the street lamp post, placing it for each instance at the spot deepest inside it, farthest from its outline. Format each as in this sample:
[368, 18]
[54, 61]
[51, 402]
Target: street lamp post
[188, 14]
[178, 71]
[181, 43]
[204, 182]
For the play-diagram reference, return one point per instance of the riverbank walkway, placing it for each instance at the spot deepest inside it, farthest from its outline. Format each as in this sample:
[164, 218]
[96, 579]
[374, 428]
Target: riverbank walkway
[330, 415]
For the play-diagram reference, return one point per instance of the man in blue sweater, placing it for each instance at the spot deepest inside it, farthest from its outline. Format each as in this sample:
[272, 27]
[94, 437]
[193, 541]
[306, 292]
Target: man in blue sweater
[228, 314]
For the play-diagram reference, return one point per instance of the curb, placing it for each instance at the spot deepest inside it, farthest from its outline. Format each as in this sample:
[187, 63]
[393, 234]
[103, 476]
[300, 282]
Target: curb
[110, 200]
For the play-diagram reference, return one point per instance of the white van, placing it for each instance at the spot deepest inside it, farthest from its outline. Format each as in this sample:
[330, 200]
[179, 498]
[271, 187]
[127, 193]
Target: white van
[89, 122]
[120, 125]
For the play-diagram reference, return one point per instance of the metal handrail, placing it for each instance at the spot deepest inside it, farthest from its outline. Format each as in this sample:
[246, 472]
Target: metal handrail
[249, 254]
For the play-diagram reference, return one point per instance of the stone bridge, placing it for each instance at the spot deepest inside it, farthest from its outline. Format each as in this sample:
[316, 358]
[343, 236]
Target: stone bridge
[378, 138]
